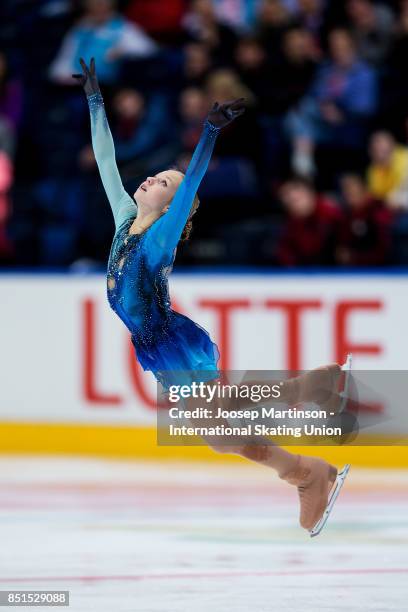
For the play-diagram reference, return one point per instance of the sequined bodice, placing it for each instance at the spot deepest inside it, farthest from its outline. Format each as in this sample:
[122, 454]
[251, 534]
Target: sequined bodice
[138, 292]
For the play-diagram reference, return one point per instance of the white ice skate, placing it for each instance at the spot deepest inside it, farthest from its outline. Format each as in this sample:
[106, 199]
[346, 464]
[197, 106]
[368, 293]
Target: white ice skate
[337, 485]
[346, 367]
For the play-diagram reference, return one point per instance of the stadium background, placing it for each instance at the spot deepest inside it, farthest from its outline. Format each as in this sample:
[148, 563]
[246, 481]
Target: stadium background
[298, 256]
[298, 250]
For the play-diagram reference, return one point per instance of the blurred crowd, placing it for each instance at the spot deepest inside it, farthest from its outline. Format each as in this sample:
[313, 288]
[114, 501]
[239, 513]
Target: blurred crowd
[314, 174]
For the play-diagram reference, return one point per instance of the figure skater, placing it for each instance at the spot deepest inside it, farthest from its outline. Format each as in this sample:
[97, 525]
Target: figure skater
[149, 227]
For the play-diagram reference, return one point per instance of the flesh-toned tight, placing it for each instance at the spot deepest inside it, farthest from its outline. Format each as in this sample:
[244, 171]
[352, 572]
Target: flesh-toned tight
[265, 454]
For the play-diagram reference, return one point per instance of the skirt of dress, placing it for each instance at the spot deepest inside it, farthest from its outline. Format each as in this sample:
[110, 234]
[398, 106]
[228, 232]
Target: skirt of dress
[183, 354]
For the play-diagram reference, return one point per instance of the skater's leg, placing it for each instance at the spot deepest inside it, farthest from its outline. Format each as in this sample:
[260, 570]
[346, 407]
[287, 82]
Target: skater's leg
[313, 477]
[270, 456]
[265, 453]
[318, 385]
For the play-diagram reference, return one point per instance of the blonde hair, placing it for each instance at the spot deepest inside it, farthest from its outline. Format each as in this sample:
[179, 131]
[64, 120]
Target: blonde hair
[225, 84]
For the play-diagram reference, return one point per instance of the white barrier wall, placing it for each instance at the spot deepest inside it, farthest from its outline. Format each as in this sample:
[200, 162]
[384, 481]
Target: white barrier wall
[65, 357]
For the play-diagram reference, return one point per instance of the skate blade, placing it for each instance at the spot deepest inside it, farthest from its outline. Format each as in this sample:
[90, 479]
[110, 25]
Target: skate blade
[346, 367]
[340, 478]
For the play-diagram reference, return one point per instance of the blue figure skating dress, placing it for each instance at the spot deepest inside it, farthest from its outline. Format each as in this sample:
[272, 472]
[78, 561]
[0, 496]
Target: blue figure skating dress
[172, 346]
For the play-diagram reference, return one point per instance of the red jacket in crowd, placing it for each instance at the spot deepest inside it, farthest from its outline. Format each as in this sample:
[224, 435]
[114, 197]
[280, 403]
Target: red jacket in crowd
[308, 241]
[365, 237]
[157, 17]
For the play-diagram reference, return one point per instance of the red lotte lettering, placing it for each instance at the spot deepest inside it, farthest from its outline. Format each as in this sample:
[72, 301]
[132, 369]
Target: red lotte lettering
[341, 335]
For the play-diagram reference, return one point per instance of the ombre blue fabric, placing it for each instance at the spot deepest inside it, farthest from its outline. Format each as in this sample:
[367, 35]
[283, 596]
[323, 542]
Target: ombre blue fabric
[175, 348]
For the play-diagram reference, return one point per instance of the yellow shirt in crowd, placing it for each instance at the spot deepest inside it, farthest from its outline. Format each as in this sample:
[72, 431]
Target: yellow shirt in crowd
[383, 180]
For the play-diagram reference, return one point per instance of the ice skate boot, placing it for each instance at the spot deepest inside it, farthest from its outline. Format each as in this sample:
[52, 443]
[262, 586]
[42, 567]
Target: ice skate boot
[318, 485]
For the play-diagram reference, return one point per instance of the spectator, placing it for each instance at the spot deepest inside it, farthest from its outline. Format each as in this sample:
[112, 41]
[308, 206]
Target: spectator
[224, 84]
[193, 109]
[273, 20]
[142, 131]
[6, 179]
[202, 26]
[279, 84]
[10, 107]
[342, 98]
[293, 75]
[311, 89]
[372, 25]
[365, 231]
[254, 70]
[104, 34]
[401, 32]
[311, 16]
[239, 14]
[394, 90]
[388, 170]
[197, 64]
[310, 229]
[239, 139]
[141, 126]
[10, 95]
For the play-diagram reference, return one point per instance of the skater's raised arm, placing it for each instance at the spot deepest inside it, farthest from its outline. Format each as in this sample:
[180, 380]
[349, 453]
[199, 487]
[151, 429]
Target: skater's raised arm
[123, 206]
[164, 235]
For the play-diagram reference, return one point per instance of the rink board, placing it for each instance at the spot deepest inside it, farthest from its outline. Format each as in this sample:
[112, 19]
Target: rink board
[138, 443]
[71, 383]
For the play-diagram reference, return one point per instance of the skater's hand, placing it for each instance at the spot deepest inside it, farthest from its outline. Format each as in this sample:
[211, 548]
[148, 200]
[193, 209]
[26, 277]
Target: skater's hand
[88, 78]
[222, 114]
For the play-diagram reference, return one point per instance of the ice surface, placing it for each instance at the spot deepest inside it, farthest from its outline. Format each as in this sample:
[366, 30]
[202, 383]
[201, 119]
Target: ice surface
[173, 537]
